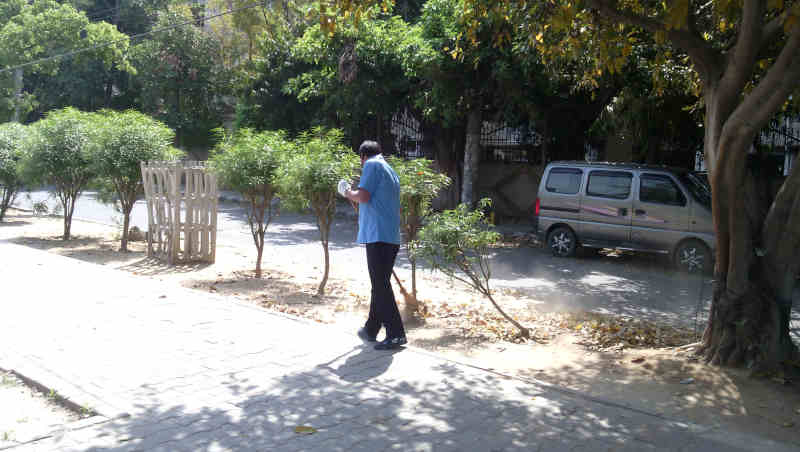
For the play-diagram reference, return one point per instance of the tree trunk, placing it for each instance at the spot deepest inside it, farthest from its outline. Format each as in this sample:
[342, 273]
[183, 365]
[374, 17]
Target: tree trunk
[321, 288]
[260, 252]
[127, 198]
[523, 332]
[9, 193]
[472, 156]
[414, 279]
[126, 221]
[756, 265]
[68, 203]
[325, 214]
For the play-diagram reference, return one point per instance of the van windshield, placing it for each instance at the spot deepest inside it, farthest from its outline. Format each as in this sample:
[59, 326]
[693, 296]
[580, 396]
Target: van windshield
[698, 186]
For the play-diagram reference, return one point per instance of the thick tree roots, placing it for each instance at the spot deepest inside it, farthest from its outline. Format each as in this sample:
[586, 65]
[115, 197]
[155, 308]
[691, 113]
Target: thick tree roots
[751, 330]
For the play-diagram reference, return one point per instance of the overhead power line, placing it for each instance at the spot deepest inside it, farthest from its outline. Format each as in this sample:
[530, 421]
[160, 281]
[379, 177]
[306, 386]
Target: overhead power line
[130, 38]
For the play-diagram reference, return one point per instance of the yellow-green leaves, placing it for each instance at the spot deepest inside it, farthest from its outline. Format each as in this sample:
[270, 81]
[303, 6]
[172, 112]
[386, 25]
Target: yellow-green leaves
[677, 14]
[305, 430]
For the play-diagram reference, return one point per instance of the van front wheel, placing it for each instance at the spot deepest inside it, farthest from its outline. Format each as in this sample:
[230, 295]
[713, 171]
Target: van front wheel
[693, 256]
[562, 242]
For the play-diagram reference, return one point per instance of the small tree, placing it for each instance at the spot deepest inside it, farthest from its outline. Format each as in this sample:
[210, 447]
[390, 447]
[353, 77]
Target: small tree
[57, 151]
[419, 184]
[11, 136]
[456, 242]
[248, 162]
[308, 180]
[120, 142]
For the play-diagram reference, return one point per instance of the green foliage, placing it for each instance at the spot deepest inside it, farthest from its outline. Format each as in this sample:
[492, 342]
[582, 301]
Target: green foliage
[607, 39]
[263, 83]
[248, 161]
[456, 242]
[363, 71]
[58, 148]
[12, 135]
[43, 28]
[121, 141]
[419, 185]
[58, 155]
[180, 79]
[308, 178]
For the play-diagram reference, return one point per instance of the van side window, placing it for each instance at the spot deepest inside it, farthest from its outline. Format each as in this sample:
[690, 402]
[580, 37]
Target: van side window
[609, 184]
[566, 181]
[660, 189]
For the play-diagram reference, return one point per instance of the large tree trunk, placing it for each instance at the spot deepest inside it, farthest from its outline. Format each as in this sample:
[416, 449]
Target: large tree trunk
[472, 157]
[756, 265]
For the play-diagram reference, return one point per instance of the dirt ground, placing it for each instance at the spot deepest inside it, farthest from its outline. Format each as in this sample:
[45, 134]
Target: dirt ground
[635, 363]
[27, 413]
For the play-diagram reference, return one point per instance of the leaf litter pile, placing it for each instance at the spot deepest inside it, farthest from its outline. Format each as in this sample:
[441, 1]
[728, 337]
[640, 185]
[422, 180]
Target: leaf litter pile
[596, 331]
[606, 332]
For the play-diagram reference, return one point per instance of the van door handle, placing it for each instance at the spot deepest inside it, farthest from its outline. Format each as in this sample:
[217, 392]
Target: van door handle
[623, 212]
[639, 212]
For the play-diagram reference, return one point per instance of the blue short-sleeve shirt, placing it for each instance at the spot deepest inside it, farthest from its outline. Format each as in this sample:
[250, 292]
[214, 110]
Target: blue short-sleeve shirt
[379, 219]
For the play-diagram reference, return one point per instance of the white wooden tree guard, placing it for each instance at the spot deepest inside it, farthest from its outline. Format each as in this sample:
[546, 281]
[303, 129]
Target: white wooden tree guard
[181, 211]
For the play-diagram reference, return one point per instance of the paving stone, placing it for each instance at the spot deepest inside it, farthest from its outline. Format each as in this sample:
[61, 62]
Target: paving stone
[198, 372]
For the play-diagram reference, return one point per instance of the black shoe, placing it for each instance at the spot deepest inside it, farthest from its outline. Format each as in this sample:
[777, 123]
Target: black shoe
[362, 333]
[391, 343]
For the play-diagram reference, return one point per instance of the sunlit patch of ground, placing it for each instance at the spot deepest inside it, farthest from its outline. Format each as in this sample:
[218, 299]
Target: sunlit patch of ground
[626, 360]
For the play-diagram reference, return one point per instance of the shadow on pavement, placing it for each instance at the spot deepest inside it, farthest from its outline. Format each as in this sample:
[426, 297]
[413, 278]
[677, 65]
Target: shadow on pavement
[381, 410]
[13, 223]
[151, 266]
[738, 401]
[638, 285]
[291, 228]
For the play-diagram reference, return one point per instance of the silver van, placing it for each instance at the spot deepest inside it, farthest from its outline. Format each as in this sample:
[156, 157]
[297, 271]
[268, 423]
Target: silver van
[628, 207]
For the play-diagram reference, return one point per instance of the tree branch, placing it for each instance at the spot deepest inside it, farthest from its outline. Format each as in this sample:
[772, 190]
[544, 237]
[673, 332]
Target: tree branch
[777, 219]
[739, 63]
[702, 54]
[772, 29]
[773, 90]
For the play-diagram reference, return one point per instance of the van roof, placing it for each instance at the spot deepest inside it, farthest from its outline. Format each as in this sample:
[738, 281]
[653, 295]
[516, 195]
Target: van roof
[619, 165]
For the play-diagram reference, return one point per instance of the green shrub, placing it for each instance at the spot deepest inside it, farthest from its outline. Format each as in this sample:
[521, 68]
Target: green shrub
[12, 135]
[120, 142]
[248, 163]
[456, 242]
[308, 179]
[58, 155]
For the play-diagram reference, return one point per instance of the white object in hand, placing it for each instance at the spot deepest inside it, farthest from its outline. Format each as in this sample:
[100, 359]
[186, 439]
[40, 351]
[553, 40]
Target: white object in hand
[343, 187]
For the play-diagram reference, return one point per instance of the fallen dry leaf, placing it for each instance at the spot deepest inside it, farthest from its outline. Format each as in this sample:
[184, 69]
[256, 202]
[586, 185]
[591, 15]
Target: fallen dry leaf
[305, 430]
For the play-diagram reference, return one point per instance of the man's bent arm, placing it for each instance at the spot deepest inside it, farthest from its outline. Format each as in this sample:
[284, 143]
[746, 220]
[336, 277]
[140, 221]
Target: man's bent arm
[359, 195]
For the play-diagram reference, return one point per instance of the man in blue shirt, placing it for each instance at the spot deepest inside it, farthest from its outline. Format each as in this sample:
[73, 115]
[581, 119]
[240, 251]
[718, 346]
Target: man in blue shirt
[378, 195]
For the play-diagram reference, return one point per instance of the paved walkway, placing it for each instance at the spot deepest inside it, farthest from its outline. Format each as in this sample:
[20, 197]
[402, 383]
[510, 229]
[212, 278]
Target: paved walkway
[171, 369]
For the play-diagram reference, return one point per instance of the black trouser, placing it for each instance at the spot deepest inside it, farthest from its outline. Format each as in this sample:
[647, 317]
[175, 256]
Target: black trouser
[382, 305]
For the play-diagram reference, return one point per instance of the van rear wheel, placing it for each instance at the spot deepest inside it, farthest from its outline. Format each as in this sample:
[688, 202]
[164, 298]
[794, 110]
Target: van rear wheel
[693, 256]
[562, 242]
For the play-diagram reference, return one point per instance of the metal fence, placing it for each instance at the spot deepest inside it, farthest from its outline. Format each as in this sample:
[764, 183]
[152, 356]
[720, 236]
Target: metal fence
[503, 143]
[407, 136]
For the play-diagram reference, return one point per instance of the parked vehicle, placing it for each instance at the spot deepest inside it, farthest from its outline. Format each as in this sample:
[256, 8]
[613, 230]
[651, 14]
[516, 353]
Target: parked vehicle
[628, 207]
